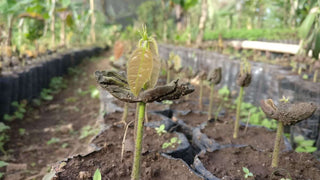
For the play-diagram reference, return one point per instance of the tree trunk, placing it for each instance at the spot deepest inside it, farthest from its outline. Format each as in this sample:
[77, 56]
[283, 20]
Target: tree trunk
[165, 17]
[179, 14]
[10, 18]
[53, 37]
[93, 22]
[202, 24]
[63, 33]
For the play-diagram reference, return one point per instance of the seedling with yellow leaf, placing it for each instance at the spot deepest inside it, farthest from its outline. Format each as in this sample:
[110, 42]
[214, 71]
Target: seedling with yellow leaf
[139, 86]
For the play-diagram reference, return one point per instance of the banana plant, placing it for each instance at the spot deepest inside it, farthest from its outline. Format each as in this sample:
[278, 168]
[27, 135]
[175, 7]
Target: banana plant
[309, 32]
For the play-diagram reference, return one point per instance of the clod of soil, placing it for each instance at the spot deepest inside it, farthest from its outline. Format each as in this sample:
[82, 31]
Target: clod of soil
[227, 164]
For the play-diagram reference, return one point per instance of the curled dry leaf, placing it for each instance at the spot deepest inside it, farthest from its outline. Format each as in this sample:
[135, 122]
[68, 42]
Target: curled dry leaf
[116, 84]
[288, 114]
[215, 76]
[243, 79]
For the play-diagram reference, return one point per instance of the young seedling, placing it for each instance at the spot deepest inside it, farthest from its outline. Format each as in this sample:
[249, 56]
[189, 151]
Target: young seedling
[316, 67]
[173, 64]
[161, 129]
[285, 114]
[247, 173]
[172, 143]
[214, 78]
[202, 76]
[97, 175]
[243, 80]
[139, 87]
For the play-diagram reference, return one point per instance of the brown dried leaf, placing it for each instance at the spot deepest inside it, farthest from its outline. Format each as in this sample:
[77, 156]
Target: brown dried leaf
[118, 50]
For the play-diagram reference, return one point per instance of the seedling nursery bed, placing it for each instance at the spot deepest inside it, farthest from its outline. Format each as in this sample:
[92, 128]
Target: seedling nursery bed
[205, 149]
[25, 82]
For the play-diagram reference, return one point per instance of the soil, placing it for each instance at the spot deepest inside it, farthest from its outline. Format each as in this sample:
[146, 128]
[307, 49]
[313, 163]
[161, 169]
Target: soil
[154, 165]
[258, 137]
[59, 119]
[227, 164]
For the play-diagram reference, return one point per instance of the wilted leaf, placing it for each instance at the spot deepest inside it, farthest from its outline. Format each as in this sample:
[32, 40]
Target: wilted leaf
[139, 69]
[118, 50]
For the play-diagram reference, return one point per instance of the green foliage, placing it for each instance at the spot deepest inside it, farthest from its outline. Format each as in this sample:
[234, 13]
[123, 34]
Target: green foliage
[97, 175]
[224, 92]
[172, 143]
[247, 173]
[4, 137]
[88, 131]
[53, 140]
[2, 164]
[251, 34]
[64, 145]
[22, 131]
[93, 91]
[304, 145]
[46, 94]
[19, 113]
[257, 116]
[161, 129]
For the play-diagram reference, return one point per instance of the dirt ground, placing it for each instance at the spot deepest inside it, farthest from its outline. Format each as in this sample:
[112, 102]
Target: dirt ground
[53, 130]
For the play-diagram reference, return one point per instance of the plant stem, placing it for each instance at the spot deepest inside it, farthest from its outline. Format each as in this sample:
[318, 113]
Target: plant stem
[168, 76]
[125, 113]
[200, 94]
[300, 69]
[210, 101]
[138, 147]
[275, 155]
[236, 125]
[315, 75]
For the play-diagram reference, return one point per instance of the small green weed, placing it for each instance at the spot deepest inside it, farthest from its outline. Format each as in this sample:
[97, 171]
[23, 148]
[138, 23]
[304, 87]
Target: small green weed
[22, 131]
[161, 129]
[224, 92]
[87, 131]
[53, 141]
[247, 173]
[172, 143]
[304, 145]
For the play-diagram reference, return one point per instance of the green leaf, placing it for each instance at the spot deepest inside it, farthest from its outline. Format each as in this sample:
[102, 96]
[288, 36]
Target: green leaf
[2, 164]
[97, 175]
[307, 24]
[3, 127]
[316, 49]
[174, 140]
[139, 69]
[245, 170]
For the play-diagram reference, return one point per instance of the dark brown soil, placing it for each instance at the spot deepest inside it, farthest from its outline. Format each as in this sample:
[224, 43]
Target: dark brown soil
[228, 163]
[258, 137]
[154, 165]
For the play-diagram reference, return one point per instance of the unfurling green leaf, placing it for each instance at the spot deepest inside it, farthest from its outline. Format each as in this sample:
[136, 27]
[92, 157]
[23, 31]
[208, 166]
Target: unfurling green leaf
[97, 175]
[139, 69]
